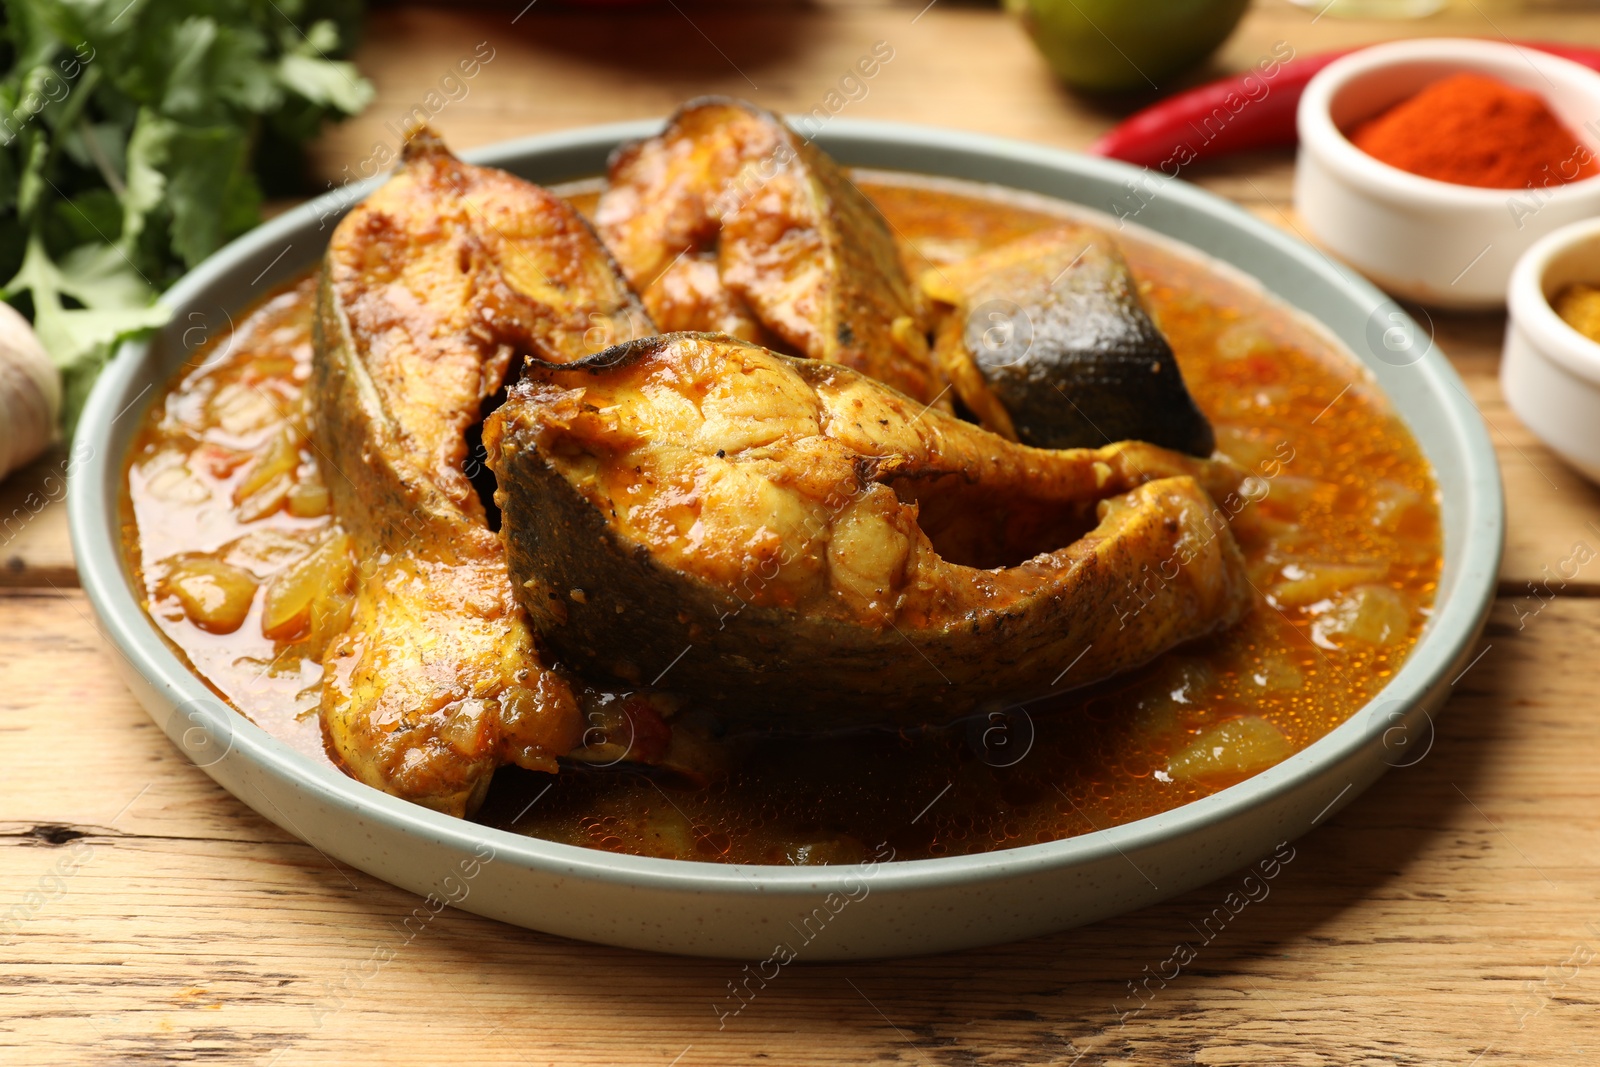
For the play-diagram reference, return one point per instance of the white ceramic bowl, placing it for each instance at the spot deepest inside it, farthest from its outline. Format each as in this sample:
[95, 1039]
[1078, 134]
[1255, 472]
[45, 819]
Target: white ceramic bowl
[1549, 371]
[1433, 242]
[896, 907]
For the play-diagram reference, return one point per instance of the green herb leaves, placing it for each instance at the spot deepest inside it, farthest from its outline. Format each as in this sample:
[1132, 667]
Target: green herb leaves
[128, 130]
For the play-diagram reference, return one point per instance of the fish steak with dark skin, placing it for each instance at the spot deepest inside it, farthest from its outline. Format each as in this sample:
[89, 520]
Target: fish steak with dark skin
[799, 547]
[1047, 342]
[430, 288]
[730, 221]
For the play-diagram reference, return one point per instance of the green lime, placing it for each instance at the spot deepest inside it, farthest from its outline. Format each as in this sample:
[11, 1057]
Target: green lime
[1107, 45]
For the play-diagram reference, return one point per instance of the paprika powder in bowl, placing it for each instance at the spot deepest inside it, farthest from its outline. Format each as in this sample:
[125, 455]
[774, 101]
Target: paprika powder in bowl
[1442, 243]
[1550, 372]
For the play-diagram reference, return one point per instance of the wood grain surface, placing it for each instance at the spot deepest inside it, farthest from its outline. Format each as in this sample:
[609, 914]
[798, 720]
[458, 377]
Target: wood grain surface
[1449, 916]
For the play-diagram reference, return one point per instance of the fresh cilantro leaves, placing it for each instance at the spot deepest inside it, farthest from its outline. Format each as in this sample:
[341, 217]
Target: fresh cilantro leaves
[128, 131]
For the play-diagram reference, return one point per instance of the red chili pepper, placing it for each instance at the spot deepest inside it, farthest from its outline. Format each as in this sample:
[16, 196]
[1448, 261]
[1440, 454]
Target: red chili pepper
[1208, 121]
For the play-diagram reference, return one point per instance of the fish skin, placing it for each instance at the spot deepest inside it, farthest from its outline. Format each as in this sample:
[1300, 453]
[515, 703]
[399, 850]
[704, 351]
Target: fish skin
[1048, 343]
[429, 289]
[730, 221]
[750, 525]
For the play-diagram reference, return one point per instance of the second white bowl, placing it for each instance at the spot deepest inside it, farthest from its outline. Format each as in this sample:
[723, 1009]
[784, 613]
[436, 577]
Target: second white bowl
[1549, 371]
[1434, 242]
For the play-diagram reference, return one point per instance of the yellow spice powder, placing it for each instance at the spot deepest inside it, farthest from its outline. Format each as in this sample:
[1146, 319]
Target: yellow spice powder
[1579, 307]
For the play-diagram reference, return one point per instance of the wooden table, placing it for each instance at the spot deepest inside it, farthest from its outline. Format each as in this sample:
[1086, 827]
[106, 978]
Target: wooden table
[1450, 916]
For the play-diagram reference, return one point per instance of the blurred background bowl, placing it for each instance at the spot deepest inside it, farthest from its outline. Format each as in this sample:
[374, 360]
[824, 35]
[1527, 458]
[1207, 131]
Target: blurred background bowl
[1550, 372]
[1434, 242]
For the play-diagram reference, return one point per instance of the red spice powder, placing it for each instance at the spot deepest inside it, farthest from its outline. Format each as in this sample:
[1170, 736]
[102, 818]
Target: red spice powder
[1470, 129]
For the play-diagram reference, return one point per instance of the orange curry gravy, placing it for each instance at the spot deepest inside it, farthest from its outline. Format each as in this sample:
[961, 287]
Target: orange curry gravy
[1344, 552]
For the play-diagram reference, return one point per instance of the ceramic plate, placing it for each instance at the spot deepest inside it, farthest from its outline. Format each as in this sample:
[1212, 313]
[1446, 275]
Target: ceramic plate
[891, 908]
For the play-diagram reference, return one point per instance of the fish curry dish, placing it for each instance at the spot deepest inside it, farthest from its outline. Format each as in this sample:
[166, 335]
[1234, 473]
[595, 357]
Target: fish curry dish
[736, 506]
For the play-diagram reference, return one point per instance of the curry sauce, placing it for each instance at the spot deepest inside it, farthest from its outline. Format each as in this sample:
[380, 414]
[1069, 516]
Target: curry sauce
[1338, 521]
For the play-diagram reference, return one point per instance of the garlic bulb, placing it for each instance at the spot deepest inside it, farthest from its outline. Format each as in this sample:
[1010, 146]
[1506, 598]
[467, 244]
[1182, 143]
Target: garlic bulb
[30, 393]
